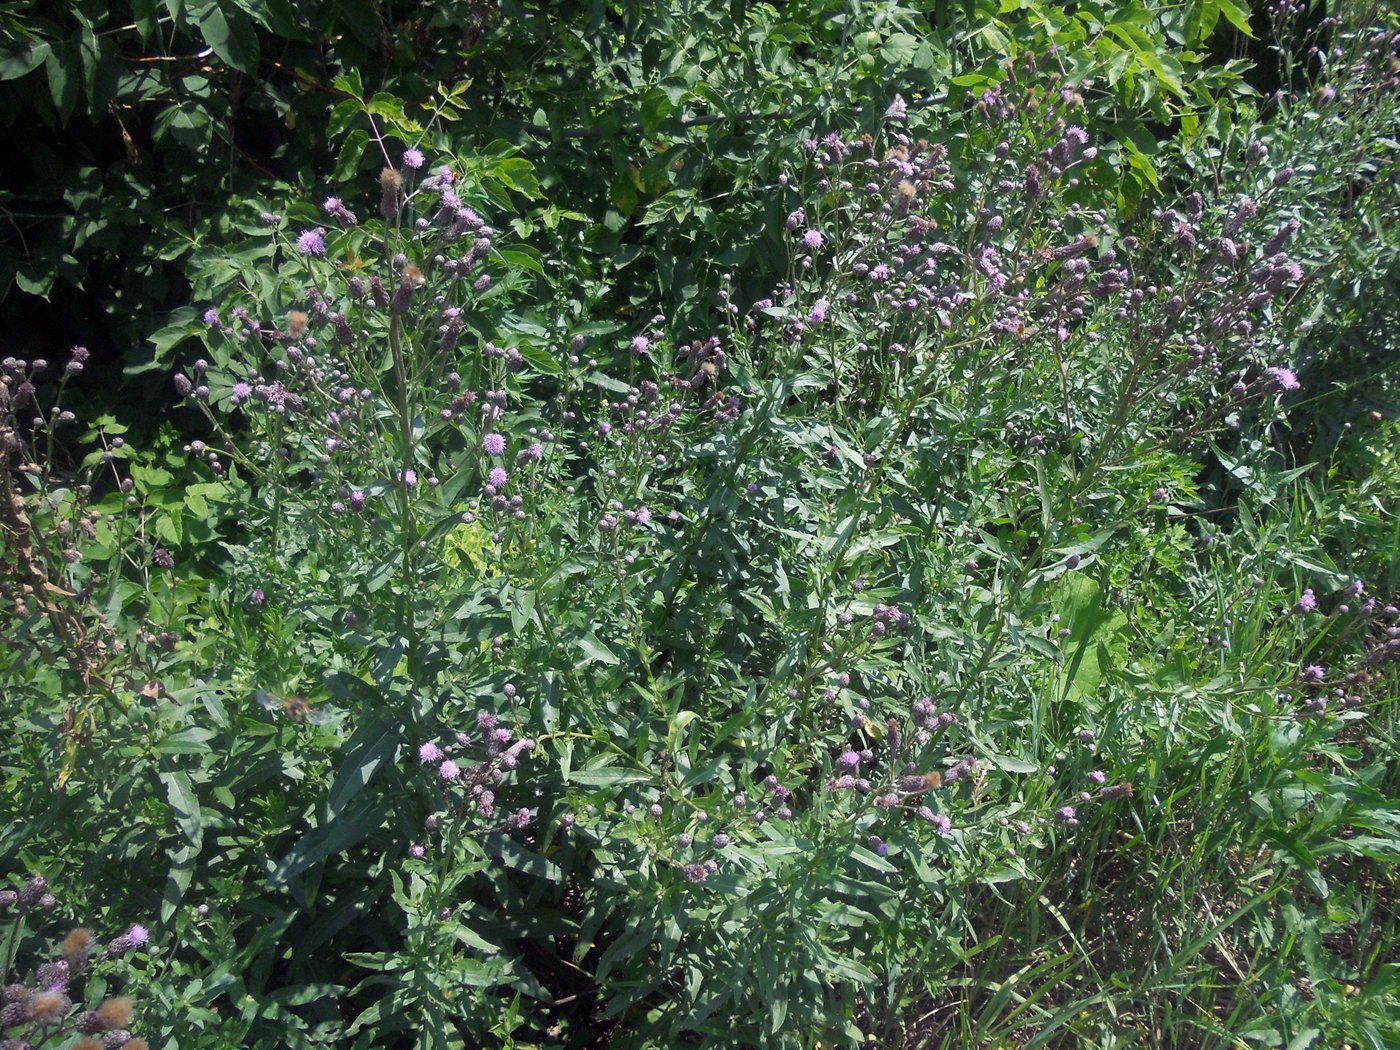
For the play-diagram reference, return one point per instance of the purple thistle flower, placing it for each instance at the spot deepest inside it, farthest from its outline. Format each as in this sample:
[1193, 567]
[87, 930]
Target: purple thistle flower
[812, 240]
[312, 242]
[1065, 812]
[211, 317]
[416, 850]
[1282, 379]
[497, 478]
[1098, 776]
[849, 760]
[241, 392]
[336, 209]
[494, 444]
[640, 345]
[429, 752]
[410, 478]
[819, 309]
[1307, 603]
[449, 770]
[1314, 673]
[135, 937]
[412, 159]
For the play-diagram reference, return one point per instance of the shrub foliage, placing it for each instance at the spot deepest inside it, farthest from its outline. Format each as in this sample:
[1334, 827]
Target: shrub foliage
[674, 544]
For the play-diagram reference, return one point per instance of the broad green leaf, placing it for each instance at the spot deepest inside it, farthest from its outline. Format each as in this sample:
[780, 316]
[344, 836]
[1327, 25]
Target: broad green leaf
[364, 753]
[185, 805]
[20, 60]
[596, 651]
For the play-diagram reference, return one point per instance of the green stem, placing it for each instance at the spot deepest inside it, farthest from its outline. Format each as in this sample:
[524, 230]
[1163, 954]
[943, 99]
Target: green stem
[277, 482]
[406, 526]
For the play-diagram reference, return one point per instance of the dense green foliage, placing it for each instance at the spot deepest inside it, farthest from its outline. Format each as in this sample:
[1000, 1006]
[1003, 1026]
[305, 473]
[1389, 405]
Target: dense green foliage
[704, 524]
[149, 126]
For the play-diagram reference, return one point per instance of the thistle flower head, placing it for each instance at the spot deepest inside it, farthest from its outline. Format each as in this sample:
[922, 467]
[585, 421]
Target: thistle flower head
[312, 242]
[1281, 379]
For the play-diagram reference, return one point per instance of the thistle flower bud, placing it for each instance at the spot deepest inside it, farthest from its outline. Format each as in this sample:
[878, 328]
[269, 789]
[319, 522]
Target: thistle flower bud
[403, 296]
[1275, 243]
[52, 976]
[32, 892]
[342, 329]
[1245, 209]
[390, 188]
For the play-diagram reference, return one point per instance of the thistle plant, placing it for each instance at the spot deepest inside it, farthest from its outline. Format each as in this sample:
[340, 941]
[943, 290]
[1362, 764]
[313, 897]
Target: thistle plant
[83, 567]
[595, 674]
[928, 436]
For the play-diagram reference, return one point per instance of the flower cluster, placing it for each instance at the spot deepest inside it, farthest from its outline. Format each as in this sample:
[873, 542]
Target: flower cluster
[45, 1008]
[469, 771]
